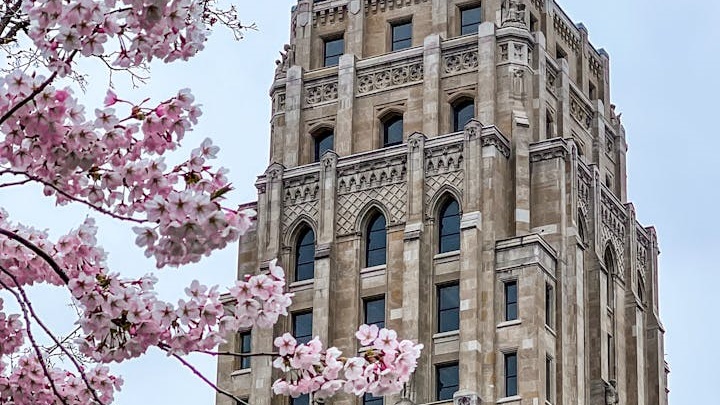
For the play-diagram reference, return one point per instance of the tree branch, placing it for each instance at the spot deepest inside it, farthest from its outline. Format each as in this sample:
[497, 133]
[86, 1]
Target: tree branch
[11, 11]
[15, 183]
[234, 354]
[49, 260]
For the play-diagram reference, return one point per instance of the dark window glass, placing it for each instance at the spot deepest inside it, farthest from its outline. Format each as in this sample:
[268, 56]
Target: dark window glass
[401, 36]
[375, 254]
[301, 400]
[549, 378]
[470, 19]
[323, 143]
[463, 112]
[245, 344]
[333, 49]
[450, 227]
[369, 399]
[511, 308]
[510, 374]
[305, 256]
[302, 327]
[375, 311]
[392, 131]
[549, 304]
[447, 381]
[448, 308]
[611, 356]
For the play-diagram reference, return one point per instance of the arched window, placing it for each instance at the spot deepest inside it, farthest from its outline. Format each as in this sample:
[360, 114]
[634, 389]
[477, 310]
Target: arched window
[392, 130]
[323, 142]
[376, 241]
[305, 255]
[610, 267]
[449, 229]
[463, 111]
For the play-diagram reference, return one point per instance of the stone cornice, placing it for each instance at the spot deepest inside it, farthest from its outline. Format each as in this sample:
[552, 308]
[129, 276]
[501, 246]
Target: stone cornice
[555, 148]
[491, 136]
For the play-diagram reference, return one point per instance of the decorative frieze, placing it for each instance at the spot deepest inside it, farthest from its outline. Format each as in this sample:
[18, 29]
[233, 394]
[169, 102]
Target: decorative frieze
[643, 246]
[320, 92]
[443, 167]
[551, 80]
[563, 30]
[595, 65]
[329, 14]
[492, 137]
[380, 180]
[584, 182]
[581, 112]
[554, 148]
[460, 61]
[278, 102]
[300, 199]
[375, 6]
[387, 77]
[613, 218]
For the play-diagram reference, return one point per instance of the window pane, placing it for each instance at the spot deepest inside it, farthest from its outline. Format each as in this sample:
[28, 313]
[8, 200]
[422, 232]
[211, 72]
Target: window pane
[450, 228]
[305, 256]
[549, 304]
[448, 308]
[447, 380]
[245, 347]
[548, 380]
[376, 242]
[510, 374]
[462, 113]
[511, 311]
[393, 131]
[302, 327]
[301, 400]
[333, 49]
[323, 143]
[470, 20]
[372, 400]
[401, 36]
[375, 312]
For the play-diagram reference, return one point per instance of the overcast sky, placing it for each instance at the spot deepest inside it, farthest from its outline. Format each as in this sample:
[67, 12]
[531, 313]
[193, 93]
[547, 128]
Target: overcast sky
[664, 58]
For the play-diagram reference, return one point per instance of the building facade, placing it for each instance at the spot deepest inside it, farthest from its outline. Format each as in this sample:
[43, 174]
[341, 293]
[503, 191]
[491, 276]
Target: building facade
[454, 170]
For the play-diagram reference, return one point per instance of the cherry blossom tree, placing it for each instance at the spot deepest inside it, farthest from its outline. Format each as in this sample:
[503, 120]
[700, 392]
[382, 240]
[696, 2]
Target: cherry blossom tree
[112, 159]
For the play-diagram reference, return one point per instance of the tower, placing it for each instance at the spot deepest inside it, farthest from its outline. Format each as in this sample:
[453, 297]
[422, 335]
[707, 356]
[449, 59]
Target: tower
[454, 170]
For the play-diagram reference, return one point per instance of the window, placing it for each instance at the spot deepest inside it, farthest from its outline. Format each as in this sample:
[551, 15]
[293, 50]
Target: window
[549, 380]
[375, 244]
[401, 36]
[470, 19]
[549, 305]
[305, 255]
[392, 131]
[333, 49]
[560, 53]
[375, 311]
[610, 287]
[640, 290]
[463, 112]
[301, 400]
[447, 381]
[611, 357]
[323, 143]
[511, 306]
[511, 388]
[449, 237]
[592, 91]
[369, 399]
[302, 327]
[448, 308]
[549, 125]
[245, 343]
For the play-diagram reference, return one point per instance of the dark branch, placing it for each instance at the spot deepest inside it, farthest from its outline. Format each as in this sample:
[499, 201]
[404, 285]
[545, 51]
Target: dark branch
[49, 260]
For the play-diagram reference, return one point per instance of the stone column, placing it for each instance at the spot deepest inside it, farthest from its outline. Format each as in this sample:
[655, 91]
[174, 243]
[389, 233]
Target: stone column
[539, 80]
[354, 33]
[431, 85]
[293, 108]
[346, 102]
[302, 17]
[440, 17]
[563, 118]
[487, 81]
[583, 71]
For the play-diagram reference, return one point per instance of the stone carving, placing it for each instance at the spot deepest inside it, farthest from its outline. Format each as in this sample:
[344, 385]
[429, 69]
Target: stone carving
[609, 143]
[375, 6]
[389, 77]
[383, 180]
[641, 257]
[513, 13]
[518, 82]
[555, 152]
[329, 14]
[278, 104]
[498, 142]
[465, 398]
[538, 4]
[584, 180]
[613, 218]
[286, 61]
[611, 394]
[563, 30]
[594, 65]
[580, 111]
[504, 52]
[443, 167]
[316, 93]
[460, 61]
[551, 80]
[300, 198]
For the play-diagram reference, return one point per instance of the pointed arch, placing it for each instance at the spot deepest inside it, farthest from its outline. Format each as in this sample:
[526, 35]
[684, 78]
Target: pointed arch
[610, 264]
[373, 225]
[436, 200]
[448, 225]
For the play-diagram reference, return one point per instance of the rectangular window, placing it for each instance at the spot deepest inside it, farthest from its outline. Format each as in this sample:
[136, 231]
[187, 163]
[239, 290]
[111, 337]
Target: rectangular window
[511, 301]
[549, 305]
[301, 400]
[448, 308]
[369, 399]
[470, 19]
[245, 343]
[511, 368]
[447, 381]
[611, 356]
[549, 380]
[401, 36]
[334, 48]
[302, 326]
[375, 311]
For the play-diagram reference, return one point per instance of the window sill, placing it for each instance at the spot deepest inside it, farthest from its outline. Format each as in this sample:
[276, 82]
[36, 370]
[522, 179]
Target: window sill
[507, 400]
[373, 271]
[242, 371]
[447, 255]
[303, 285]
[507, 324]
[445, 335]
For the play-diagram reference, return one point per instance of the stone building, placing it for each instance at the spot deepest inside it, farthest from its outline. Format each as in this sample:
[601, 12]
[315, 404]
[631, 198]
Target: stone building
[455, 170]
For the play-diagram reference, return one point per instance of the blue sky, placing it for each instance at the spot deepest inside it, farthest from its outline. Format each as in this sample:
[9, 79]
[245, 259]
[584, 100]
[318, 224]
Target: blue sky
[663, 62]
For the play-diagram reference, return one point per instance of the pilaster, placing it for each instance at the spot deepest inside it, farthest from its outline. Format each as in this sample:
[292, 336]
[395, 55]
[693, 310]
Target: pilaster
[431, 85]
[346, 102]
[354, 34]
[293, 107]
[440, 17]
[302, 30]
[487, 73]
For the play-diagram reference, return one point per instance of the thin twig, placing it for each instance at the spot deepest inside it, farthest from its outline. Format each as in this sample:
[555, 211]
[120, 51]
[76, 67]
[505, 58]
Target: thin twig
[15, 183]
[35, 346]
[202, 377]
[50, 334]
[49, 260]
